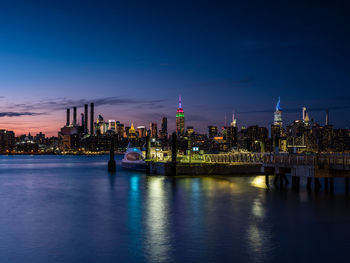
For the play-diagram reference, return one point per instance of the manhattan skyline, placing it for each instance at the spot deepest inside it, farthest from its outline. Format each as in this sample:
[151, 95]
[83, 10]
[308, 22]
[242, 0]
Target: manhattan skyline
[134, 61]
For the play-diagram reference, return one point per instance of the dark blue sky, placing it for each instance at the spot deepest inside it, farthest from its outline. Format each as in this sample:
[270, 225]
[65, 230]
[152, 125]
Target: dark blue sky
[134, 58]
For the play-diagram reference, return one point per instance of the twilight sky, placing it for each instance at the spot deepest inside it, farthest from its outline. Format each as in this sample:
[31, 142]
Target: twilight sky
[133, 59]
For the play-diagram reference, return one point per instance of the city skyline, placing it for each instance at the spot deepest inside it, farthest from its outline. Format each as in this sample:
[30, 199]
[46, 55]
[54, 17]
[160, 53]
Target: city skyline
[202, 128]
[133, 62]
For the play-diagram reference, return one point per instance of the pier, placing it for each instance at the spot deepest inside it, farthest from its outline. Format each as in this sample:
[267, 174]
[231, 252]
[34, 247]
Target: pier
[210, 164]
[311, 167]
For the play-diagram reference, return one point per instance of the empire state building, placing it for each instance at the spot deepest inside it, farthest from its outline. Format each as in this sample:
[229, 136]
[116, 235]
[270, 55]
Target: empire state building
[180, 119]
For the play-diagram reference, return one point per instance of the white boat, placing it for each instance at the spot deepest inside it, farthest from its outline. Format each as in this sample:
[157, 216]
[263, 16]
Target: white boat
[134, 159]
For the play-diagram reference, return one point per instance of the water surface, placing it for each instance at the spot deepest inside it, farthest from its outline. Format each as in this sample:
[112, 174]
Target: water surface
[69, 209]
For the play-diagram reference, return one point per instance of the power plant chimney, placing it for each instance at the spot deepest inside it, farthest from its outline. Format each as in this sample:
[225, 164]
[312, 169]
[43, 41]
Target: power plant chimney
[91, 118]
[327, 117]
[86, 118]
[68, 117]
[82, 120]
[75, 116]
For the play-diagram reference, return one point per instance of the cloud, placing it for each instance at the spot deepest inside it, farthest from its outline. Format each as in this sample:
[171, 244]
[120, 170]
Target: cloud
[18, 114]
[64, 103]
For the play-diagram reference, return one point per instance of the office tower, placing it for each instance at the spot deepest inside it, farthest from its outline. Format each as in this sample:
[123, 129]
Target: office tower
[327, 117]
[74, 116]
[91, 118]
[278, 114]
[190, 130]
[112, 125]
[68, 117]
[164, 131]
[153, 129]
[304, 113]
[142, 132]
[212, 131]
[307, 119]
[131, 132]
[120, 129]
[234, 121]
[86, 119]
[180, 119]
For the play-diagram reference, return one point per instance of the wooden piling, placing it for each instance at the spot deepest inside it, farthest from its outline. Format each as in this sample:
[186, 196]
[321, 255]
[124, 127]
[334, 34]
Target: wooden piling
[112, 167]
[267, 180]
[317, 184]
[148, 155]
[308, 184]
[173, 153]
[297, 183]
[331, 185]
[347, 185]
[326, 186]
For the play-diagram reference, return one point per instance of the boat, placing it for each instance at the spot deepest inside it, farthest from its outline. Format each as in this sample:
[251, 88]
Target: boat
[134, 159]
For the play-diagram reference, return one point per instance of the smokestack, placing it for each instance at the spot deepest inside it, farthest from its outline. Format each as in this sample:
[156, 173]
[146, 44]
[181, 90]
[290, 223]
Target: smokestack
[68, 117]
[75, 116]
[327, 117]
[91, 118]
[82, 119]
[86, 118]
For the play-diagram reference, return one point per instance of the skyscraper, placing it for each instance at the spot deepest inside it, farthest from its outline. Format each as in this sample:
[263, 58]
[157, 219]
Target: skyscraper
[92, 118]
[86, 118]
[212, 131]
[131, 132]
[278, 114]
[234, 121]
[180, 119]
[164, 131]
[304, 113]
[153, 129]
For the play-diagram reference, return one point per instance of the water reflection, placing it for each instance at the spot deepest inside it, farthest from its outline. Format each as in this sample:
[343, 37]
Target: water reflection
[259, 182]
[259, 235]
[157, 239]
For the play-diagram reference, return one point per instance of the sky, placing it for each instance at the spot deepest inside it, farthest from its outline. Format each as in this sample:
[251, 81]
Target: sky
[134, 58]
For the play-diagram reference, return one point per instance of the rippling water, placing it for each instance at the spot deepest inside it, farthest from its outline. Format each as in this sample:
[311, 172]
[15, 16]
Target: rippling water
[69, 209]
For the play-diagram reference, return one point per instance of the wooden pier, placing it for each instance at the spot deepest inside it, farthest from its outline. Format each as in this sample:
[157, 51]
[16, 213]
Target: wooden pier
[312, 167]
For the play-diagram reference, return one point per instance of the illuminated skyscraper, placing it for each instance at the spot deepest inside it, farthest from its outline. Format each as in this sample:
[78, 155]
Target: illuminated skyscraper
[212, 131]
[132, 132]
[153, 129]
[304, 113]
[180, 119]
[234, 121]
[278, 114]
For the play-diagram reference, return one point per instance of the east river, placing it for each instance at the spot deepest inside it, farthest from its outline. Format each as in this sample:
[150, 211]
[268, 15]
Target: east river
[69, 209]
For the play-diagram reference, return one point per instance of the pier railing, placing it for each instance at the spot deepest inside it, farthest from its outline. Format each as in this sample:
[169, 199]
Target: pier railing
[234, 158]
[299, 159]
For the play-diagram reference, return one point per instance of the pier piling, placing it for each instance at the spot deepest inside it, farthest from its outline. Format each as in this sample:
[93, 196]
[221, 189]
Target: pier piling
[331, 185]
[148, 155]
[267, 180]
[347, 185]
[308, 184]
[173, 153]
[112, 167]
[326, 187]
